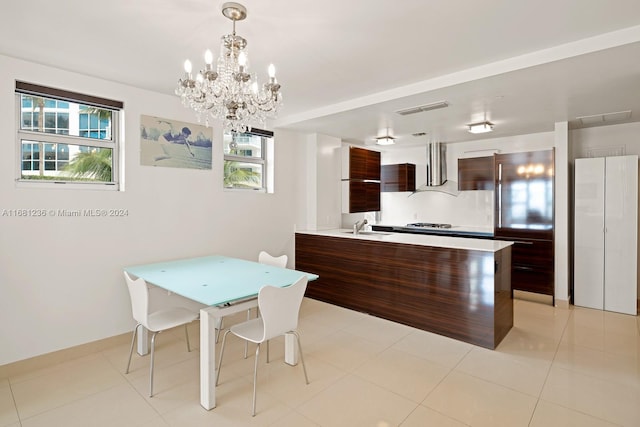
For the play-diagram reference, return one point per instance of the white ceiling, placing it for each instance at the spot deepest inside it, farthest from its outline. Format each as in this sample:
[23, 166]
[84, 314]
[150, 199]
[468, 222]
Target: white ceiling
[346, 66]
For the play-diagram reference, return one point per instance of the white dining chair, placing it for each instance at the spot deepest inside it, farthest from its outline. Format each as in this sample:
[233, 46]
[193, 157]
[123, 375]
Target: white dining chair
[156, 321]
[263, 258]
[279, 311]
[276, 261]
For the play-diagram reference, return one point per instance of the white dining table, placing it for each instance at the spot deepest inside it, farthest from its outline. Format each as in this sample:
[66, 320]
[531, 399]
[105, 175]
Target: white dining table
[225, 286]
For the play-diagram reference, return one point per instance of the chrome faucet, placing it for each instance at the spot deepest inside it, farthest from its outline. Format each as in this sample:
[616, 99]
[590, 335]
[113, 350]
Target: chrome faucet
[358, 226]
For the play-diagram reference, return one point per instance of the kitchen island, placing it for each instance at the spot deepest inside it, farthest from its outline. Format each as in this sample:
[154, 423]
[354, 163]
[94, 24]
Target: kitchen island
[452, 286]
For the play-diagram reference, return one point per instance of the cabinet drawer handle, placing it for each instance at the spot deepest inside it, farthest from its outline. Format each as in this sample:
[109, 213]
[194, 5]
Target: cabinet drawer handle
[519, 267]
[521, 242]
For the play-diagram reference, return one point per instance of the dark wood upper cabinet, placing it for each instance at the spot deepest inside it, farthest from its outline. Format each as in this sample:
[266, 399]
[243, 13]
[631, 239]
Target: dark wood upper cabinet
[364, 164]
[364, 196]
[476, 173]
[361, 181]
[401, 177]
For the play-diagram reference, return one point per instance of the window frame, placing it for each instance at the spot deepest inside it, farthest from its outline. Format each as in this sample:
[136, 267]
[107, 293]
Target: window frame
[265, 136]
[116, 108]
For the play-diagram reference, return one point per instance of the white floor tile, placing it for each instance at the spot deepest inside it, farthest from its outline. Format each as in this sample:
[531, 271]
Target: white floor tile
[118, 406]
[353, 402]
[403, 374]
[548, 414]
[518, 372]
[613, 402]
[423, 416]
[477, 402]
[8, 411]
[436, 348]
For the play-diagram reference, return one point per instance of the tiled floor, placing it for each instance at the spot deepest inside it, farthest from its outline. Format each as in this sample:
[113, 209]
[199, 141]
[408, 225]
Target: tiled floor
[557, 367]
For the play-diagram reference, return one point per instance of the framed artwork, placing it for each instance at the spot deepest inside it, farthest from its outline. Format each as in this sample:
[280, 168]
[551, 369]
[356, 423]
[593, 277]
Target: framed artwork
[174, 144]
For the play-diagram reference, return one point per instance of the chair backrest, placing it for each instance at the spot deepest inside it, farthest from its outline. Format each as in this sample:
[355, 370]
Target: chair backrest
[280, 307]
[139, 294]
[275, 261]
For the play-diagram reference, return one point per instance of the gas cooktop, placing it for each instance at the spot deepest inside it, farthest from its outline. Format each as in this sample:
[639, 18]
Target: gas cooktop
[428, 225]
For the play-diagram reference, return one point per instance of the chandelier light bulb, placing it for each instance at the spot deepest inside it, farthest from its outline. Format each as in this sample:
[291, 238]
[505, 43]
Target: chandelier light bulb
[187, 67]
[272, 71]
[242, 59]
[208, 57]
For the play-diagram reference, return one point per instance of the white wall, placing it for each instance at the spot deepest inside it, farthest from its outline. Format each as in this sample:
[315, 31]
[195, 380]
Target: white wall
[61, 278]
[563, 215]
[603, 140]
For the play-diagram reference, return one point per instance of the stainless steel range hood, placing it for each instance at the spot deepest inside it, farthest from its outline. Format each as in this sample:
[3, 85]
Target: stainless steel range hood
[437, 171]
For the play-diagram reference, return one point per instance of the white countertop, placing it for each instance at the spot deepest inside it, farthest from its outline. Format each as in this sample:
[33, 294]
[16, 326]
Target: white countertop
[416, 239]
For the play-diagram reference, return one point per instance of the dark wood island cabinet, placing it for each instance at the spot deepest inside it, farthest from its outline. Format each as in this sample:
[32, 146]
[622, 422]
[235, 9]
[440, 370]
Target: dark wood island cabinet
[453, 291]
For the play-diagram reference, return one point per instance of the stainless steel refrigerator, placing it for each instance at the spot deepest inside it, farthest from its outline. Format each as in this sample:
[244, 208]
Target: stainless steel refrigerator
[524, 214]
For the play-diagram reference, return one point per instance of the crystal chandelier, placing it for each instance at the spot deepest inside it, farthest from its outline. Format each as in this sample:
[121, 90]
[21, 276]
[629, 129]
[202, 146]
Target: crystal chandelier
[230, 93]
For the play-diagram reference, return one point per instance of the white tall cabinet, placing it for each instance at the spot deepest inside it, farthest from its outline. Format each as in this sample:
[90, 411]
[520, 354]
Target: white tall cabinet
[606, 233]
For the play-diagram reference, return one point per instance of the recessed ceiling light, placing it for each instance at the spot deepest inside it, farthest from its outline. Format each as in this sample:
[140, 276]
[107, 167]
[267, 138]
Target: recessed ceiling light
[385, 140]
[481, 127]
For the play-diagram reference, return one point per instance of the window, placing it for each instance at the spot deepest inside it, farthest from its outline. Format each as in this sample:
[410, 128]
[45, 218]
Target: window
[245, 159]
[66, 137]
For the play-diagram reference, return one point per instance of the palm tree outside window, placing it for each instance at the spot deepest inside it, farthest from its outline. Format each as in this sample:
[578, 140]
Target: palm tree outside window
[63, 140]
[245, 159]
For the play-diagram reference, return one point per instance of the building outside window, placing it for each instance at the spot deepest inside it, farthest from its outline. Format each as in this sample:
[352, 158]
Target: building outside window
[65, 137]
[246, 159]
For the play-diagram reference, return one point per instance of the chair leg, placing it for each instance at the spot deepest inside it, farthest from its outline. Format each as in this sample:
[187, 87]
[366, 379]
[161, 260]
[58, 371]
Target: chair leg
[218, 328]
[133, 342]
[304, 368]
[186, 334]
[246, 343]
[153, 347]
[255, 380]
[267, 351]
[224, 341]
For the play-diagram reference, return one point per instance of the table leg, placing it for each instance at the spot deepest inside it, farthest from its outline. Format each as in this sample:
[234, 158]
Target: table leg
[209, 320]
[208, 323]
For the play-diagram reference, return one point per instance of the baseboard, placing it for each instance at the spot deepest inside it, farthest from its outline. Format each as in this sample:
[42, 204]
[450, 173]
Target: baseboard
[38, 362]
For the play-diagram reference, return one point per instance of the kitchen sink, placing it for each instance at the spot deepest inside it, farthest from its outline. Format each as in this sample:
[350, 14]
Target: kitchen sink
[368, 233]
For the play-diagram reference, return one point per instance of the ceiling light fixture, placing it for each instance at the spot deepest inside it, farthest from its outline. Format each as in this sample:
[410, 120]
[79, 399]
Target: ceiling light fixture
[229, 93]
[481, 127]
[386, 139]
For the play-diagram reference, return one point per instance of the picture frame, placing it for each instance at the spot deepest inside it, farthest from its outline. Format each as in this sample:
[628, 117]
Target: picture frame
[173, 143]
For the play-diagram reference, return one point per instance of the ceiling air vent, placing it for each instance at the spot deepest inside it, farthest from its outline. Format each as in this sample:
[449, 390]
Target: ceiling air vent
[605, 118]
[421, 108]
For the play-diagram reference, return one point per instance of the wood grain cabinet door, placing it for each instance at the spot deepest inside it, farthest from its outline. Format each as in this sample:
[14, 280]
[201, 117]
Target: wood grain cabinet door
[475, 173]
[401, 177]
